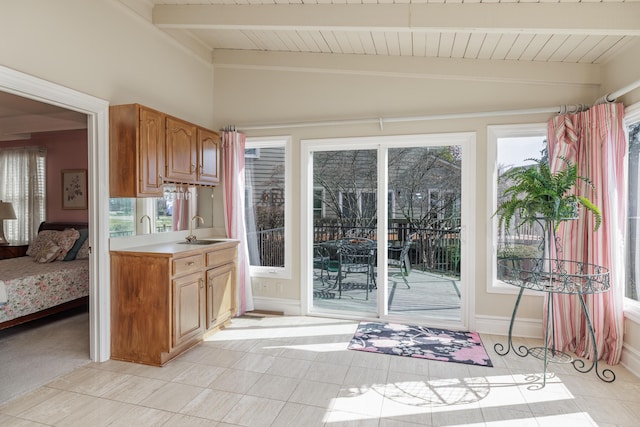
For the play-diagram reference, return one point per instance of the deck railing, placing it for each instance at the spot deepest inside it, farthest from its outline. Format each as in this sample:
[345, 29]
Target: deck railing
[434, 249]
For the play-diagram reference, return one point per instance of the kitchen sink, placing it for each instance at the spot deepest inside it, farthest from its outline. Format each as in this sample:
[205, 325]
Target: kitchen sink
[202, 242]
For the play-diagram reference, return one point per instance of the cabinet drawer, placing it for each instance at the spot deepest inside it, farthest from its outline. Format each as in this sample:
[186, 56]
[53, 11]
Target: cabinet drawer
[221, 257]
[186, 264]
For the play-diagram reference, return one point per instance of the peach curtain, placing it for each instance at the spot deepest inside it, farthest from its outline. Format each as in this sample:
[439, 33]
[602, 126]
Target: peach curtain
[233, 144]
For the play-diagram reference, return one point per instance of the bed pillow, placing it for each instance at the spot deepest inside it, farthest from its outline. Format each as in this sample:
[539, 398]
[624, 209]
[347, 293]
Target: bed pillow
[73, 252]
[43, 237]
[64, 239]
[83, 252]
[47, 252]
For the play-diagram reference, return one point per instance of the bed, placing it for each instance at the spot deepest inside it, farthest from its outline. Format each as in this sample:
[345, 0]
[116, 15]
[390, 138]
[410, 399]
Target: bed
[53, 277]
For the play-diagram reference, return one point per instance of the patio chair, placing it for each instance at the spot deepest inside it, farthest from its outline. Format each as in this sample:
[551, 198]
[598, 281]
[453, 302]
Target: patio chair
[402, 261]
[322, 262]
[356, 256]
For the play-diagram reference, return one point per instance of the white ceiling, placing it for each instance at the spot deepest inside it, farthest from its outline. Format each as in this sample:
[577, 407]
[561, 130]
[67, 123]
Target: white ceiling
[572, 31]
[540, 31]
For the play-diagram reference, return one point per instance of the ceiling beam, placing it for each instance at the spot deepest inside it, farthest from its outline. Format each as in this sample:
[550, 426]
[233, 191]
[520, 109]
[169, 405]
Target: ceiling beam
[570, 18]
[411, 67]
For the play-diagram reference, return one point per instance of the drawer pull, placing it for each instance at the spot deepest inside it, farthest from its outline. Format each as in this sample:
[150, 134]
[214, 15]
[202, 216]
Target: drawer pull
[190, 263]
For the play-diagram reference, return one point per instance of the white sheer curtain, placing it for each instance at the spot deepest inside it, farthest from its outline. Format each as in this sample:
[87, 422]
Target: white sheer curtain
[23, 183]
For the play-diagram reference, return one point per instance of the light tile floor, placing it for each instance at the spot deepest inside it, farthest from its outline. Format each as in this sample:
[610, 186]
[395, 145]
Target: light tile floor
[296, 371]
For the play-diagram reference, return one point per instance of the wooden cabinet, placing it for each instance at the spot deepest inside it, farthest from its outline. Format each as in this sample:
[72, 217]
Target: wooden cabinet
[221, 292]
[208, 157]
[13, 250]
[163, 303]
[136, 151]
[148, 148]
[188, 312]
[182, 150]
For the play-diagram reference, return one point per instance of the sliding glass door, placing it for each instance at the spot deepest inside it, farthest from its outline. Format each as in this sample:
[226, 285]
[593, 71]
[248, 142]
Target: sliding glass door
[424, 231]
[345, 185]
[383, 228]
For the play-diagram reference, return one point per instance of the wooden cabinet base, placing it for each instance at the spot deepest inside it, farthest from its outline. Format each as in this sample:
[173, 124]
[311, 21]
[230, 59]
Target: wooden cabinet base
[163, 304]
[158, 359]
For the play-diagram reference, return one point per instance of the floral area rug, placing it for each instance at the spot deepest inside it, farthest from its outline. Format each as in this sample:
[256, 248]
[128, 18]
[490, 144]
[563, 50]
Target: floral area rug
[420, 342]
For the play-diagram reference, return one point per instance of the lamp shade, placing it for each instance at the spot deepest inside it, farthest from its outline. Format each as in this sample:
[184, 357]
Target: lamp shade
[6, 211]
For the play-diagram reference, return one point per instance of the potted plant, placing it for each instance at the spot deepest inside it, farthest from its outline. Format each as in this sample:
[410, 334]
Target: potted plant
[536, 194]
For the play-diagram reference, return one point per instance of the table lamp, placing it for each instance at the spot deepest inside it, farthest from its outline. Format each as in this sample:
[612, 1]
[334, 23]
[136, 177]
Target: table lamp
[6, 212]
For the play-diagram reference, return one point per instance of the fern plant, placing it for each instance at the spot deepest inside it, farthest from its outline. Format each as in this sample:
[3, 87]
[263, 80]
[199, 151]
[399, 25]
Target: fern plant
[537, 194]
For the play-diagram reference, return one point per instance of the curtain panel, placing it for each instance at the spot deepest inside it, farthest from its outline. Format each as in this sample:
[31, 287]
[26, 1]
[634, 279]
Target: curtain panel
[23, 183]
[233, 144]
[595, 141]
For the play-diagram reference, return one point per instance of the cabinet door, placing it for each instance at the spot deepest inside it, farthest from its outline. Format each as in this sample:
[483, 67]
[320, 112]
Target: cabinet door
[219, 292]
[151, 155]
[182, 150]
[188, 319]
[208, 157]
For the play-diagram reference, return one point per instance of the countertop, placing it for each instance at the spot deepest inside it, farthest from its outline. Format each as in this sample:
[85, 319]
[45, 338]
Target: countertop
[173, 248]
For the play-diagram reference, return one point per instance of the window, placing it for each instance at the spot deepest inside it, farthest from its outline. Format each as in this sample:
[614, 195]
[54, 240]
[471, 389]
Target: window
[267, 201]
[632, 289]
[23, 183]
[512, 146]
[318, 202]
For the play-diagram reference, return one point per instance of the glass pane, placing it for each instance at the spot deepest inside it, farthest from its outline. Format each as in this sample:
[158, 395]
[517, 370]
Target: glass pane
[264, 216]
[345, 222]
[122, 214]
[520, 240]
[424, 232]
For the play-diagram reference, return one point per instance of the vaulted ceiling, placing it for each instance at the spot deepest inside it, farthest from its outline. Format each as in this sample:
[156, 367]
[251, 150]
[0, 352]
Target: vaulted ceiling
[571, 31]
[519, 31]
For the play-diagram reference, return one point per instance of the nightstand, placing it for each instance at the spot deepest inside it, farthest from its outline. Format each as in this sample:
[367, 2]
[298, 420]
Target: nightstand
[13, 250]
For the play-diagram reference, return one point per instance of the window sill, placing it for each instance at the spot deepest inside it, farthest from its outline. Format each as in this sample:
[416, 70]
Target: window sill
[499, 287]
[632, 310]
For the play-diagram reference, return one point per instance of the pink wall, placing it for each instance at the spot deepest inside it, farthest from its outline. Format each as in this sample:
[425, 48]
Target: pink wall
[65, 150]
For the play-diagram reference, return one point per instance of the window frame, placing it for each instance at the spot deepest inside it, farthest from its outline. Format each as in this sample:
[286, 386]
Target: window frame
[272, 142]
[631, 307]
[495, 132]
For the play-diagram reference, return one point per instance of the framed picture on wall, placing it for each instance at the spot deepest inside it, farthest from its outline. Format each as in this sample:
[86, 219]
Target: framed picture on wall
[74, 189]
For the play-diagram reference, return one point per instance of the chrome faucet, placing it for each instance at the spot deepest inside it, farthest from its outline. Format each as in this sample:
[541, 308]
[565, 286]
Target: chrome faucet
[149, 218]
[192, 237]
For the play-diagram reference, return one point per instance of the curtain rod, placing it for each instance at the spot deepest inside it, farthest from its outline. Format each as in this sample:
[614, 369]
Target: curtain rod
[562, 109]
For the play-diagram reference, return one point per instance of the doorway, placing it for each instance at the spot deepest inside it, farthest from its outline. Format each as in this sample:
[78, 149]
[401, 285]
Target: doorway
[385, 228]
[97, 134]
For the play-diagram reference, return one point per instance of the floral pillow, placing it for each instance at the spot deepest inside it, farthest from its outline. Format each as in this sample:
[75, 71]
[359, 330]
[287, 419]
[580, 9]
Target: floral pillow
[63, 239]
[47, 252]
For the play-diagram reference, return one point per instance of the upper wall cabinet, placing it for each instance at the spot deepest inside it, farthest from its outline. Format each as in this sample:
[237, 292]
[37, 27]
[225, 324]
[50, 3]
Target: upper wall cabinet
[208, 157]
[136, 151]
[149, 148]
[182, 150]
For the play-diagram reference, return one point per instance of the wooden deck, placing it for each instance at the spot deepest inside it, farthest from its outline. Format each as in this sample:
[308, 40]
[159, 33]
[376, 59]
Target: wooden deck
[429, 295]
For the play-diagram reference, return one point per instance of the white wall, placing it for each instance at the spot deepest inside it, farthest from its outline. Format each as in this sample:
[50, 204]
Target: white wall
[101, 48]
[285, 88]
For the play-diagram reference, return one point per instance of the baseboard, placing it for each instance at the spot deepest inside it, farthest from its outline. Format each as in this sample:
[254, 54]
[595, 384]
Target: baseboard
[630, 359]
[494, 325]
[289, 307]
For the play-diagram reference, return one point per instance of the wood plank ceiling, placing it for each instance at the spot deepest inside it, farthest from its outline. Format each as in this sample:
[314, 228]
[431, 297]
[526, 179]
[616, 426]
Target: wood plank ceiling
[566, 31]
